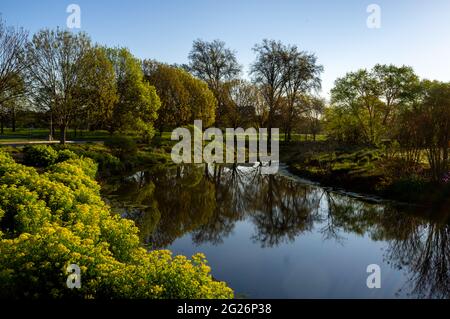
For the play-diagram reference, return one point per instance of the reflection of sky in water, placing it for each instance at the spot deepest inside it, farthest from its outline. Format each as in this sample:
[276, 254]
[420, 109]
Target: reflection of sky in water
[277, 237]
[309, 267]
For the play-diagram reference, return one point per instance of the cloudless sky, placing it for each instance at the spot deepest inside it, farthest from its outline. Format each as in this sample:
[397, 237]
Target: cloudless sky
[413, 32]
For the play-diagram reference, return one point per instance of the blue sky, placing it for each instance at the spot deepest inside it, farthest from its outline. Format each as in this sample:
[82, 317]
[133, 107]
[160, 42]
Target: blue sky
[413, 32]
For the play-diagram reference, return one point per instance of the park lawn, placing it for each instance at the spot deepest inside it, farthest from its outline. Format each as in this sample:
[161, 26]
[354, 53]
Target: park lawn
[294, 137]
[27, 134]
[9, 140]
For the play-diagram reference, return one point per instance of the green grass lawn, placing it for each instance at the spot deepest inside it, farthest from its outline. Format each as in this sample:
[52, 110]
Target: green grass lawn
[305, 137]
[38, 134]
[24, 134]
[295, 137]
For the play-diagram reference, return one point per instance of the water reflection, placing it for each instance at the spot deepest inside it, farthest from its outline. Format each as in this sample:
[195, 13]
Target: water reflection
[208, 202]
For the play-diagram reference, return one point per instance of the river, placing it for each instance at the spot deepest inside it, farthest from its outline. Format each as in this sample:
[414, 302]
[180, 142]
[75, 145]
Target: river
[277, 236]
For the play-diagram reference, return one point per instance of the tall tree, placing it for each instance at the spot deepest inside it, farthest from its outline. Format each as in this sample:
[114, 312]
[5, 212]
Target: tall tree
[302, 75]
[54, 58]
[215, 64]
[375, 97]
[183, 97]
[315, 112]
[358, 94]
[11, 99]
[284, 74]
[202, 101]
[396, 88]
[434, 114]
[268, 74]
[97, 89]
[174, 96]
[342, 126]
[242, 105]
[138, 103]
[12, 65]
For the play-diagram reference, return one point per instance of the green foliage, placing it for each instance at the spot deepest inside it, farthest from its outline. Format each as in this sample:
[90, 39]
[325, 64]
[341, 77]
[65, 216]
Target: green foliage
[342, 126]
[183, 97]
[359, 161]
[56, 218]
[434, 126]
[122, 146]
[98, 89]
[107, 163]
[366, 103]
[39, 155]
[66, 154]
[137, 104]
[44, 155]
[56, 74]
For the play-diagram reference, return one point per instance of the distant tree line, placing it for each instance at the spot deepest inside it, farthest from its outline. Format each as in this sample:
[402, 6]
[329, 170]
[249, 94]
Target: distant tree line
[391, 105]
[63, 79]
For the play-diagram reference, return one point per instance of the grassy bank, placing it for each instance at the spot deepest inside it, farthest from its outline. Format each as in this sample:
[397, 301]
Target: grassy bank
[33, 134]
[113, 154]
[359, 169]
[363, 170]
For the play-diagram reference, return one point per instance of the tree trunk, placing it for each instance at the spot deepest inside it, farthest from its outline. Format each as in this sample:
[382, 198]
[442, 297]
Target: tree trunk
[52, 129]
[13, 119]
[269, 138]
[269, 128]
[62, 131]
[2, 125]
[445, 158]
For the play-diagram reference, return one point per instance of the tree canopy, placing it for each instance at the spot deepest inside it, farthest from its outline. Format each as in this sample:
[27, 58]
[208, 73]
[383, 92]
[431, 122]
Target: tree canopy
[183, 97]
[368, 101]
[137, 102]
[54, 58]
[284, 74]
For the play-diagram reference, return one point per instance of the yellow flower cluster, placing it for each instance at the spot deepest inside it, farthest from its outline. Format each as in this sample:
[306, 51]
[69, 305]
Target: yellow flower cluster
[52, 219]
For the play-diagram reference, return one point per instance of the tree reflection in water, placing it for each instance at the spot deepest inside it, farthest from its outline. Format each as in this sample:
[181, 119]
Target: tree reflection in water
[207, 202]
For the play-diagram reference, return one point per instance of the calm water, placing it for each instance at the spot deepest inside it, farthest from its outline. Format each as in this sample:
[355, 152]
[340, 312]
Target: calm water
[275, 236]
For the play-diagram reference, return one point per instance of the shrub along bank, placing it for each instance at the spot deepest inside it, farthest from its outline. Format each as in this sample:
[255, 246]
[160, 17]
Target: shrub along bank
[365, 170]
[55, 217]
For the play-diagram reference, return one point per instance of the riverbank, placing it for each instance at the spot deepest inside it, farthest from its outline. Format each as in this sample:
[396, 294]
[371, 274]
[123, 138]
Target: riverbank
[113, 155]
[355, 169]
[363, 170]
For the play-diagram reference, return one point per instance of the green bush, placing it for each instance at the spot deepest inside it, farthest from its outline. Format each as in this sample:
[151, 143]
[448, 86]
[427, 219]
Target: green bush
[66, 154]
[39, 155]
[107, 163]
[56, 218]
[121, 146]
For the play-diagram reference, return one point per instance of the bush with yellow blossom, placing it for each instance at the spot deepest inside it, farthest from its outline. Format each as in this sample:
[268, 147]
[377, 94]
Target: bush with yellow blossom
[55, 218]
